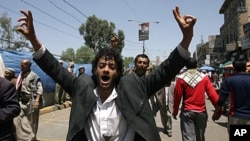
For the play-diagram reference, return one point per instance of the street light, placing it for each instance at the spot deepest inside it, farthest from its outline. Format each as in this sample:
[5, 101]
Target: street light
[144, 31]
[143, 22]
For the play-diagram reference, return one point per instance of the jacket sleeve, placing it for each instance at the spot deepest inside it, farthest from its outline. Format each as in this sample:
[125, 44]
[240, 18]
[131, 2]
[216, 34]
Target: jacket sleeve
[177, 96]
[211, 93]
[163, 75]
[9, 106]
[50, 65]
[224, 92]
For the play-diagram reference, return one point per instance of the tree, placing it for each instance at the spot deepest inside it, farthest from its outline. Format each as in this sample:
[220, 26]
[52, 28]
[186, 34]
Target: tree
[10, 38]
[127, 61]
[68, 55]
[97, 33]
[84, 55]
[6, 31]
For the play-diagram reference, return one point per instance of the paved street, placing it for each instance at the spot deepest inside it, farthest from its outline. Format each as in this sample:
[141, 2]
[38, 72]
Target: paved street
[215, 131]
[53, 126]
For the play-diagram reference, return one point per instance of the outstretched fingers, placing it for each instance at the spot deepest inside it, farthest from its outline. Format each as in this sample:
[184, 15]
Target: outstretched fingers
[186, 20]
[23, 21]
[176, 13]
[26, 24]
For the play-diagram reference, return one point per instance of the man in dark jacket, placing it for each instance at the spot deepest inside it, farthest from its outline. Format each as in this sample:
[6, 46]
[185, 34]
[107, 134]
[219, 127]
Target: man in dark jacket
[108, 106]
[9, 109]
[237, 88]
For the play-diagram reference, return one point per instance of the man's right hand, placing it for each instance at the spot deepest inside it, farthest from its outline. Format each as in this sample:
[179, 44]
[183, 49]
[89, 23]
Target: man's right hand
[217, 113]
[26, 27]
[186, 24]
[114, 41]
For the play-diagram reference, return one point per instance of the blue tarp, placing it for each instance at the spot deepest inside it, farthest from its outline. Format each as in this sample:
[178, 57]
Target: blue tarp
[12, 59]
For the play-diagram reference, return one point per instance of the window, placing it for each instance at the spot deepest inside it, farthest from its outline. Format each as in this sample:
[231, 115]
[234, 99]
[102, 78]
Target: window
[242, 3]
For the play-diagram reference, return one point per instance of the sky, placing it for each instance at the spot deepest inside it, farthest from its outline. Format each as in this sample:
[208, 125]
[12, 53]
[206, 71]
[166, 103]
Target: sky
[57, 21]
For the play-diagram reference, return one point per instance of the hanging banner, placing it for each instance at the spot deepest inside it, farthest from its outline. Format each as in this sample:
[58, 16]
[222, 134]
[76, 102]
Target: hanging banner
[143, 31]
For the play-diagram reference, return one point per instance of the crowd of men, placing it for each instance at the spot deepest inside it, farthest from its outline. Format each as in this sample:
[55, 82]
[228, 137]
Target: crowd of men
[111, 106]
[166, 100]
[28, 97]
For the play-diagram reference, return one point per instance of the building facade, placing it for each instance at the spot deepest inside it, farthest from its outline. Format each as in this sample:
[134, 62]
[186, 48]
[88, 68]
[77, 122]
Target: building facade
[234, 39]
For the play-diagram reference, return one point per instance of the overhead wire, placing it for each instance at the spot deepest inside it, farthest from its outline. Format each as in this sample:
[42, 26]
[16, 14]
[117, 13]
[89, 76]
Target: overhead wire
[75, 8]
[51, 17]
[136, 14]
[135, 47]
[69, 15]
[133, 42]
[87, 17]
[64, 11]
[6, 40]
[130, 7]
[55, 18]
[46, 25]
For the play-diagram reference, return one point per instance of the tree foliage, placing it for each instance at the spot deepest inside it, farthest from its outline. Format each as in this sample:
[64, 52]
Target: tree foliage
[6, 31]
[10, 38]
[83, 55]
[97, 33]
[68, 55]
[127, 61]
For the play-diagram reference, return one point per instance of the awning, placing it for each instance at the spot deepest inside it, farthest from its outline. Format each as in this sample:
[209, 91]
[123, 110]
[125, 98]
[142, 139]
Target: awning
[231, 66]
[225, 64]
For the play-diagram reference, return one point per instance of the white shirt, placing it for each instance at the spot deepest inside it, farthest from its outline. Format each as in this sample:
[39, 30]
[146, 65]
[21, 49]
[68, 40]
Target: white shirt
[166, 95]
[107, 120]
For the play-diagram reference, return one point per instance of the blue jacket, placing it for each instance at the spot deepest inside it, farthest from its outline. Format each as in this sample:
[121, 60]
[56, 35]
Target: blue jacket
[238, 88]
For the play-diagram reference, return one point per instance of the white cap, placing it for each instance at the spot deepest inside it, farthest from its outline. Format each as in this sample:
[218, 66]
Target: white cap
[10, 70]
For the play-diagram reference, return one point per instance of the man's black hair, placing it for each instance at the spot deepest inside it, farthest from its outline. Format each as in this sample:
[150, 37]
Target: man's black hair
[141, 55]
[109, 53]
[239, 65]
[191, 63]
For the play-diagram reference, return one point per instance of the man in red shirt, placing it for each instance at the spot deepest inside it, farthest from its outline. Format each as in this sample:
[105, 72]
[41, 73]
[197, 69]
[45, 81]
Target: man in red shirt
[191, 87]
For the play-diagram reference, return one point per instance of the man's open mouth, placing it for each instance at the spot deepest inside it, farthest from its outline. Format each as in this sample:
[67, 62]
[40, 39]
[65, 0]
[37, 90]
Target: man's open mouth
[105, 78]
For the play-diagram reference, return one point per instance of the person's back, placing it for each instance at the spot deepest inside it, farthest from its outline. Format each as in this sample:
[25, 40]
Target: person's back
[194, 97]
[191, 87]
[239, 83]
[237, 88]
[194, 85]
